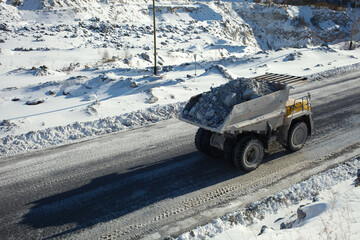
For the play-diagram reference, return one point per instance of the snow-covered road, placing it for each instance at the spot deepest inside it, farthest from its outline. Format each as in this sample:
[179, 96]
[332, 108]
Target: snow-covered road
[151, 182]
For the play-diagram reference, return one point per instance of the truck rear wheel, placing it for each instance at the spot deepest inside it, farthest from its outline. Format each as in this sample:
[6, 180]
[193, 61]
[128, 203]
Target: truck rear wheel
[248, 154]
[202, 143]
[297, 136]
[198, 139]
[228, 150]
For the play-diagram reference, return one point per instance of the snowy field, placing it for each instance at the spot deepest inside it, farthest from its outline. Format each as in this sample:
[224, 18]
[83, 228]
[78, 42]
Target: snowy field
[326, 206]
[70, 71]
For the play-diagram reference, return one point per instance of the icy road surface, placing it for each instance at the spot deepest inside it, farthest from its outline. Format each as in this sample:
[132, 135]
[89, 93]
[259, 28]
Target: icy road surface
[150, 182]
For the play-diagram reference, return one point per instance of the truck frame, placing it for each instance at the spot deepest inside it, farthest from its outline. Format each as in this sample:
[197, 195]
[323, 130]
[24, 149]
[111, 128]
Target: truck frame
[252, 125]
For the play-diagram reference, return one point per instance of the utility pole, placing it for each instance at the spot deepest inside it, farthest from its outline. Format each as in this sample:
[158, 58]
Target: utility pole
[155, 68]
[195, 64]
[353, 27]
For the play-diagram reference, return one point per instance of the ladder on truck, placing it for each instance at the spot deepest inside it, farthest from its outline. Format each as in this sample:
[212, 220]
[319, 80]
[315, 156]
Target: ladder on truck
[282, 78]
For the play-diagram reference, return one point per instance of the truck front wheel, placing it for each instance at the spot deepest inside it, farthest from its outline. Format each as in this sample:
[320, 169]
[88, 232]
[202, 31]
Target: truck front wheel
[248, 154]
[297, 136]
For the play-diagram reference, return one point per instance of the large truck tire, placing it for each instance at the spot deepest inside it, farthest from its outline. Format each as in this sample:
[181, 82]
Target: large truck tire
[297, 136]
[205, 143]
[198, 139]
[202, 143]
[248, 154]
[228, 150]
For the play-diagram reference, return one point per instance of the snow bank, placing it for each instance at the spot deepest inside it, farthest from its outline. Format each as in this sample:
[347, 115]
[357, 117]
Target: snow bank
[334, 72]
[257, 211]
[214, 106]
[32, 140]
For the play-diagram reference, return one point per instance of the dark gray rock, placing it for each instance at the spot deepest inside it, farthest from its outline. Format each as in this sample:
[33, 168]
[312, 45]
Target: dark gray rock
[15, 3]
[7, 125]
[133, 84]
[35, 102]
[153, 98]
[4, 27]
[357, 180]
[51, 93]
[286, 225]
[290, 57]
[300, 214]
[168, 68]
[145, 56]
[262, 230]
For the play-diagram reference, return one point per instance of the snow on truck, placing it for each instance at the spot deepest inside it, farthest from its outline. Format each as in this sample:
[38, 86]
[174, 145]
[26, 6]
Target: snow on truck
[241, 118]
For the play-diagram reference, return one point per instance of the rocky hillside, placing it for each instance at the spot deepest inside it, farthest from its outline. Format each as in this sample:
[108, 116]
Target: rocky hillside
[245, 23]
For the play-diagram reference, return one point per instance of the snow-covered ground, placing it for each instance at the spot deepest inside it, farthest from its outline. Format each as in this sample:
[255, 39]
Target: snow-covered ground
[72, 69]
[326, 206]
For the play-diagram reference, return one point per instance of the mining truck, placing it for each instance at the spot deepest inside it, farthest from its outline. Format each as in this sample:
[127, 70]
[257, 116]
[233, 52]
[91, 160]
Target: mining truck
[252, 125]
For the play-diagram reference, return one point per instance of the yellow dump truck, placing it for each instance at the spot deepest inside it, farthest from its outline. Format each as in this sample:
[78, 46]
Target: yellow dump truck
[252, 125]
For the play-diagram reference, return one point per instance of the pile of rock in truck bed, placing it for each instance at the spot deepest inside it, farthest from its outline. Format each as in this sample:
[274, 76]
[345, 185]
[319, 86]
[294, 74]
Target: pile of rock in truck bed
[213, 107]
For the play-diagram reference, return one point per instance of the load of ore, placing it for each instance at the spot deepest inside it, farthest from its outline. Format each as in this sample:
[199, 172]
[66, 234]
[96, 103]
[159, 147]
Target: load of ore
[214, 106]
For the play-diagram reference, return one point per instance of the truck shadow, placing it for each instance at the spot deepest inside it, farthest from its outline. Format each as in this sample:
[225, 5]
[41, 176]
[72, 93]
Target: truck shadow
[274, 151]
[114, 195]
